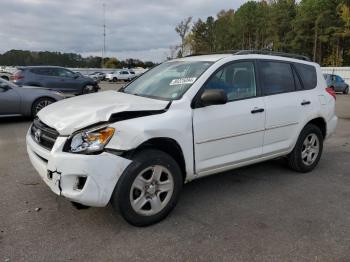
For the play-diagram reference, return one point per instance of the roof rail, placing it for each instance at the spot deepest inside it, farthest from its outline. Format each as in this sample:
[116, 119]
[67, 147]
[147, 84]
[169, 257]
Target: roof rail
[267, 52]
[222, 52]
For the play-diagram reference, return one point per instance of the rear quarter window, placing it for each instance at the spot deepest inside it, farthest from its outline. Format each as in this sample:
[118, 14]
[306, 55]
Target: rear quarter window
[307, 74]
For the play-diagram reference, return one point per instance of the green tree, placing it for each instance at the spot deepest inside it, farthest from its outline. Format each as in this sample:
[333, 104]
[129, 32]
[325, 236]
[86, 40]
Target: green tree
[112, 63]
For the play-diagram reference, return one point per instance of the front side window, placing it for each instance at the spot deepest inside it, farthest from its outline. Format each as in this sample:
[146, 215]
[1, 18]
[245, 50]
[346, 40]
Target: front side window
[236, 79]
[63, 72]
[276, 77]
[168, 81]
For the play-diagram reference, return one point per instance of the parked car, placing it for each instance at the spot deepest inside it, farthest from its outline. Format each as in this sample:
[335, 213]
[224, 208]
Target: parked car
[24, 100]
[337, 83]
[125, 75]
[182, 120]
[100, 76]
[5, 75]
[57, 78]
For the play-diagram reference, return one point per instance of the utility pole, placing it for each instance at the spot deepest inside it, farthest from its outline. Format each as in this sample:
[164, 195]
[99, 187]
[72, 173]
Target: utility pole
[104, 35]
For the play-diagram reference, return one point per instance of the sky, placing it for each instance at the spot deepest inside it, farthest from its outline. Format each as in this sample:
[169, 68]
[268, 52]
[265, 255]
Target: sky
[141, 29]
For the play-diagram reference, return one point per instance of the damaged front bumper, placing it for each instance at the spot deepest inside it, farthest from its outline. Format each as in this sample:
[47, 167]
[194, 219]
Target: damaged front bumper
[85, 179]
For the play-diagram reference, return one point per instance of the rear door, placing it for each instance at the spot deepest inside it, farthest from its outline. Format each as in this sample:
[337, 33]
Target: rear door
[225, 135]
[287, 104]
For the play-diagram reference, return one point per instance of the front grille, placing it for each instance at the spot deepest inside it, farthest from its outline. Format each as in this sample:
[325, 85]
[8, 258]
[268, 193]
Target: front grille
[43, 134]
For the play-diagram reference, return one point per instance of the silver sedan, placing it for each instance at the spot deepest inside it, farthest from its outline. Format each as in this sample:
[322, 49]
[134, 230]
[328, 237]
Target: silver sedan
[24, 100]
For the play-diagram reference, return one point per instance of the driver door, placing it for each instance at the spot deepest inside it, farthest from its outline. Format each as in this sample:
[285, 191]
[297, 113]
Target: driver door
[228, 134]
[10, 100]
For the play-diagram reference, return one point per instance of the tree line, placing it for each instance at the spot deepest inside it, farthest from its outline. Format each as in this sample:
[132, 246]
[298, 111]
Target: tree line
[30, 58]
[319, 29]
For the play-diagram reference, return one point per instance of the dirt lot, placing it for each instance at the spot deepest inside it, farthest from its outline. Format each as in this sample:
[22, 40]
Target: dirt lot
[260, 213]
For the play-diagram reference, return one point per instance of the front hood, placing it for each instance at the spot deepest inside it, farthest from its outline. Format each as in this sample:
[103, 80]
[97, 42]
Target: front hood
[75, 113]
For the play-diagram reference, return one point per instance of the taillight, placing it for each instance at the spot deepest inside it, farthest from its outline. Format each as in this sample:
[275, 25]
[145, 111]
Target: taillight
[331, 92]
[17, 76]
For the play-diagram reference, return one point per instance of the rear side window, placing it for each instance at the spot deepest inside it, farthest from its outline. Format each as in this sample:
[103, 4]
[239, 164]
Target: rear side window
[41, 71]
[276, 77]
[307, 74]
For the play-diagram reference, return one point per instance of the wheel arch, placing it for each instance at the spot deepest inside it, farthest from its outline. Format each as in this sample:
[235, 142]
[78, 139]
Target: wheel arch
[166, 145]
[320, 123]
[5, 77]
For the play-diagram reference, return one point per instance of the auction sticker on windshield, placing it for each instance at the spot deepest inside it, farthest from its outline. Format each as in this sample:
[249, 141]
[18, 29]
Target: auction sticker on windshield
[183, 81]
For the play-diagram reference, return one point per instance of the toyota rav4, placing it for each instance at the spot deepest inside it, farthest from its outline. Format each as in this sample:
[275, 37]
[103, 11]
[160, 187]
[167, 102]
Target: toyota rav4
[182, 120]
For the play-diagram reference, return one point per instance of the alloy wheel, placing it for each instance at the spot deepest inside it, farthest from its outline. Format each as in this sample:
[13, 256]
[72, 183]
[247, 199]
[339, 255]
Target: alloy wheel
[151, 190]
[41, 105]
[310, 149]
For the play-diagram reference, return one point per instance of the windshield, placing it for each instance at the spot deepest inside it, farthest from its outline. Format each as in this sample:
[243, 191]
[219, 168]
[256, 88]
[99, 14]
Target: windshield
[168, 81]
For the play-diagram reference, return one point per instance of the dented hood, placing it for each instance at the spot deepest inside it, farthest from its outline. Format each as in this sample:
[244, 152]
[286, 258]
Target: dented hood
[75, 113]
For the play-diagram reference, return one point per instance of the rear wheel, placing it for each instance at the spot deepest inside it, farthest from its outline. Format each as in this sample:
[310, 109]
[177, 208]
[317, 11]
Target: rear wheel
[346, 91]
[149, 188]
[308, 149]
[40, 104]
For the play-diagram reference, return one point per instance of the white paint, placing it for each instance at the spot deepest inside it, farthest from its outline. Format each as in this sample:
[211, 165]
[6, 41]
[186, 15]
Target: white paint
[222, 136]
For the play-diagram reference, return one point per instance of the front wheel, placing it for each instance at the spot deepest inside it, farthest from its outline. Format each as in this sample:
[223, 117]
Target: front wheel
[308, 149]
[89, 89]
[148, 189]
[40, 104]
[346, 91]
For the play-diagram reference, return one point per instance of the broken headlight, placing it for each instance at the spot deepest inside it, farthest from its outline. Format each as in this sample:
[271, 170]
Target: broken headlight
[91, 141]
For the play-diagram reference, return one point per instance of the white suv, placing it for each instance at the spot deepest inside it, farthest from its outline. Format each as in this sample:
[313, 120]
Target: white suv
[125, 75]
[182, 120]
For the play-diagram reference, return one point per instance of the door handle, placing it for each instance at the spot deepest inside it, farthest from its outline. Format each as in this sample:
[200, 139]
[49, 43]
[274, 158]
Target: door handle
[304, 103]
[257, 110]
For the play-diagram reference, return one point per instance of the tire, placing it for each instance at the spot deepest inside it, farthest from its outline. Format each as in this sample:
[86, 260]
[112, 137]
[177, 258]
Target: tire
[115, 79]
[139, 174]
[88, 89]
[307, 151]
[5, 78]
[40, 104]
[346, 91]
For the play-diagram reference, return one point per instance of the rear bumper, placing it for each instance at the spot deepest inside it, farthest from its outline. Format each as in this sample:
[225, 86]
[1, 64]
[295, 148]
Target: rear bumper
[64, 172]
[331, 126]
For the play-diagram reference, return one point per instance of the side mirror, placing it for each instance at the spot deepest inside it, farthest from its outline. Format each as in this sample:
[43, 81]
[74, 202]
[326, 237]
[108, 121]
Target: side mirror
[213, 97]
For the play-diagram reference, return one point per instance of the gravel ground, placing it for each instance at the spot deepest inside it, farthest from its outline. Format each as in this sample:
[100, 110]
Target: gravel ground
[264, 212]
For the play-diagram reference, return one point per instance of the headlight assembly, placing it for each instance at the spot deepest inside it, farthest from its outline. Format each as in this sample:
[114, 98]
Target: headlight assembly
[91, 141]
